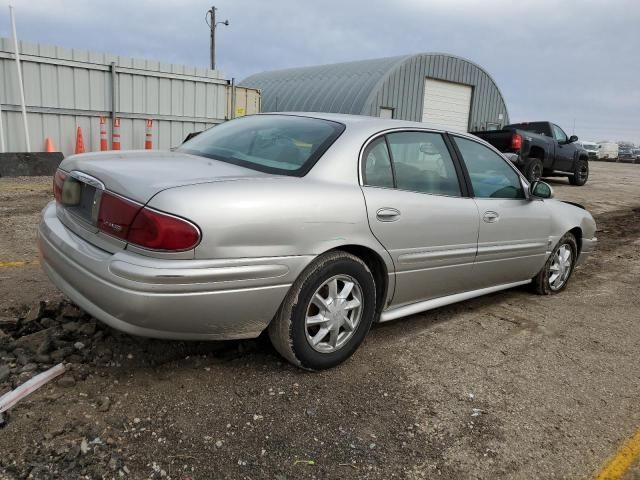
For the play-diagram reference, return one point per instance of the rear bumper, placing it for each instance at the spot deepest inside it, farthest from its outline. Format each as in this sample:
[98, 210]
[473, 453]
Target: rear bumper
[172, 299]
[587, 248]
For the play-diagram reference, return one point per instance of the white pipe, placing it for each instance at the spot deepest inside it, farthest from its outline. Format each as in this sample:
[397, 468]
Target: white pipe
[24, 108]
[1, 132]
[9, 399]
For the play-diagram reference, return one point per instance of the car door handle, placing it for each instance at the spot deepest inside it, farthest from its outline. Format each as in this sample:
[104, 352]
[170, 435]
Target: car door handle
[388, 214]
[491, 217]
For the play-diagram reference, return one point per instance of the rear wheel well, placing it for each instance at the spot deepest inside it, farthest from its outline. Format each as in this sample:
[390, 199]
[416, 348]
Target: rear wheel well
[378, 269]
[537, 152]
[577, 233]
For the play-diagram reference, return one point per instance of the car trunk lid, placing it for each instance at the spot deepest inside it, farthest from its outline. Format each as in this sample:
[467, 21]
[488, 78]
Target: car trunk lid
[136, 176]
[139, 175]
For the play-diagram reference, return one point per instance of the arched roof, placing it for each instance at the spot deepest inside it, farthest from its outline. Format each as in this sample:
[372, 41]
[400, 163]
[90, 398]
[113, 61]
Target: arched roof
[338, 88]
[354, 87]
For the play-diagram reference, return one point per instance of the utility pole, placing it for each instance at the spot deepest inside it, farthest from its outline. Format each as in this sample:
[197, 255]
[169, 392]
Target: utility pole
[211, 21]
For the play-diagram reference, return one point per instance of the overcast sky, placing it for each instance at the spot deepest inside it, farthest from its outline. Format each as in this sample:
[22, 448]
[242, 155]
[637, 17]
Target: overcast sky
[561, 60]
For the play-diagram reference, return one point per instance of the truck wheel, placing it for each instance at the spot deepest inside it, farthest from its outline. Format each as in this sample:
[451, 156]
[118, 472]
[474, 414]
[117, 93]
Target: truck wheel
[580, 173]
[327, 312]
[533, 170]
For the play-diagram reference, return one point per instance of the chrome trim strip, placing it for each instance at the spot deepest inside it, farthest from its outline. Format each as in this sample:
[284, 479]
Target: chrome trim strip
[88, 179]
[414, 308]
[511, 247]
[417, 257]
[506, 259]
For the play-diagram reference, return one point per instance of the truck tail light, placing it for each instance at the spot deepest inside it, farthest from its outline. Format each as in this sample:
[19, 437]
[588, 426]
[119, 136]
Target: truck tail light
[516, 141]
[144, 227]
[58, 183]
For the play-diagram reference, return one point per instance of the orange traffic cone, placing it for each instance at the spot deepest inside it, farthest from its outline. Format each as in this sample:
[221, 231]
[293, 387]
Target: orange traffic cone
[103, 134]
[79, 141]
[115, 134]
[148, 136]
[48, 145]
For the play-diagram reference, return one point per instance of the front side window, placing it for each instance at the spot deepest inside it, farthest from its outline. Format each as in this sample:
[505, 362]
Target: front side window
[558, 134]
[491, 176]
[377, 165]
[422, 163]
[280, 144]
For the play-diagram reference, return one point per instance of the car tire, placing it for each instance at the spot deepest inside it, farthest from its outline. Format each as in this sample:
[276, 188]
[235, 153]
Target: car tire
[533, 170]
[293, 331]
[544, 283]
[580, 172]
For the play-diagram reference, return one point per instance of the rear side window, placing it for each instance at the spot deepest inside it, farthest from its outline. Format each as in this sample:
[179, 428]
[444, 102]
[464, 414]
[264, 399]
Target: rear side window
[280, 144]
[377, 165]
[422, 163]
[541, 128]
[491, 176]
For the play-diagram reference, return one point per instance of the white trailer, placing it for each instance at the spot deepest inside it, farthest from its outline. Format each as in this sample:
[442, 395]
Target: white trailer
[608, 151]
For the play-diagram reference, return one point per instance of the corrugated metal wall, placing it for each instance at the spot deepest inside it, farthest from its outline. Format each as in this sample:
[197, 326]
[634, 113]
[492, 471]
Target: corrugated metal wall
[403, 89]
[67, 88]
[395, 82]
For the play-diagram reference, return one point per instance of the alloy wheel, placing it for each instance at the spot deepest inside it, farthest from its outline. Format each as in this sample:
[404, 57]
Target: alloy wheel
[333, 314]
[560, 268]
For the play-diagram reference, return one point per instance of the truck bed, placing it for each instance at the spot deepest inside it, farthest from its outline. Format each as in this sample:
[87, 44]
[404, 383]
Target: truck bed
[501, 139]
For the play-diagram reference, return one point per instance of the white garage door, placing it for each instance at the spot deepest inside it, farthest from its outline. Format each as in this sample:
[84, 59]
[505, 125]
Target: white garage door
[446, 104]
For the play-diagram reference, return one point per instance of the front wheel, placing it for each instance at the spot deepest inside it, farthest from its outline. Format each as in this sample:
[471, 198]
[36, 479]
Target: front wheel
[580, 173]
[327, 312]
[555, 274]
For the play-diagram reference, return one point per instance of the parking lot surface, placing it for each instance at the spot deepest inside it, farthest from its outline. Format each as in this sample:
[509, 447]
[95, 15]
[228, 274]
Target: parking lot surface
[511, 385]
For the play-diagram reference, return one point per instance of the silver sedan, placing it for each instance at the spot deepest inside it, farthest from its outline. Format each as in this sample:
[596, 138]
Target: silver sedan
[312, 226]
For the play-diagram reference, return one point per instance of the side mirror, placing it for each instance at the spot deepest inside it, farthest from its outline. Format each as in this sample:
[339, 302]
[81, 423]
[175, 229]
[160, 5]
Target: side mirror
[541, 190]
[573, 138]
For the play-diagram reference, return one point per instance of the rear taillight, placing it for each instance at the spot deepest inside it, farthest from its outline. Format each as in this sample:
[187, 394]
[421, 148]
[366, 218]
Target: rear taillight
[58, 183]
[116, 215]
[144, 227]
[516, 141]
[159, 231]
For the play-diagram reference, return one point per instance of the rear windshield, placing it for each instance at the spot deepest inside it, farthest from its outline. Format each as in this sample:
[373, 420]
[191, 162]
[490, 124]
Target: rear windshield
[281, 144]
[541, 128]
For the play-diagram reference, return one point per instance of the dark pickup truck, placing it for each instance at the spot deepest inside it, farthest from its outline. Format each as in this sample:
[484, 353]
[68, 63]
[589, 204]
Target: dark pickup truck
[541, 149]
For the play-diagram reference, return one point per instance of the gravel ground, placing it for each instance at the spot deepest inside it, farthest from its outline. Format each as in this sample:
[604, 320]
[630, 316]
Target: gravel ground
[506, 386]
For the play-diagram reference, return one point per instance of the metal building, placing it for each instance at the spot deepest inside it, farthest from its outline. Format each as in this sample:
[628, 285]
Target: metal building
[435, 88]
[69, 88]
